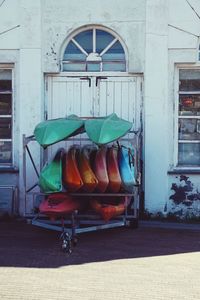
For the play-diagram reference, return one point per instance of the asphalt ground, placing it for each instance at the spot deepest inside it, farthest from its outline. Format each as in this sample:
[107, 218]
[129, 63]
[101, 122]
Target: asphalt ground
[150, 262]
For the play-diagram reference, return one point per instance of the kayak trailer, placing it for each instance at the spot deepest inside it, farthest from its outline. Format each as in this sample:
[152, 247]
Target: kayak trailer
[77, 222]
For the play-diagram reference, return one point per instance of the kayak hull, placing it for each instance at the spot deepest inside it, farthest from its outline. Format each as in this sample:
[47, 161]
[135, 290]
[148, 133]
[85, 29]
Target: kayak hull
[107, 129]
[71, 175]
[52, 131]
[126, 169]
[100, 170]
[108, 209]
[89, 179]
[50, 179]
[113, 170]
[58, 205]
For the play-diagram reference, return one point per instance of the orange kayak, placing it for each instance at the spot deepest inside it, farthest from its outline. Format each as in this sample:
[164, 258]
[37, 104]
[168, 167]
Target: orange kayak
[108, 209]
[100, 170]
[71, 175]
[113, 170]
[89, 179]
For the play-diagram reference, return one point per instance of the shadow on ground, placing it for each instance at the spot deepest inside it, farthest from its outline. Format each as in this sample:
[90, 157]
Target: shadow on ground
[23, 245]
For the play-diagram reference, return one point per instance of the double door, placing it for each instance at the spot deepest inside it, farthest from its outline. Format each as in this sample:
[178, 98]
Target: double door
[94, 96]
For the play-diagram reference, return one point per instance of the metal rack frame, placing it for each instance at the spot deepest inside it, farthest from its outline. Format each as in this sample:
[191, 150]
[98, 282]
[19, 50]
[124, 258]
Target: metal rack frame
[76, 223]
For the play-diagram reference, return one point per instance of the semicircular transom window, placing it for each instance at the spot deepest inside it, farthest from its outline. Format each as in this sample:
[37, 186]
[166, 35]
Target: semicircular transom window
[94, 50]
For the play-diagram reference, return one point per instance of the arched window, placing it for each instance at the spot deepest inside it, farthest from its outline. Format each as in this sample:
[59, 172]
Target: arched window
[94, 50]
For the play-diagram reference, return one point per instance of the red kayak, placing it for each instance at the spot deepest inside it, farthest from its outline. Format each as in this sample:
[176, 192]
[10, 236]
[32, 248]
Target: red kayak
[113, 170]
[71, 175]
[100, 170]
[58, 205]
[109, 208]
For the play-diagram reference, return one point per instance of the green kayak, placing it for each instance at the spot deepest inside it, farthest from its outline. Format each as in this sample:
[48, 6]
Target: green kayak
[50, 180]
[107, 129]
[52, 131]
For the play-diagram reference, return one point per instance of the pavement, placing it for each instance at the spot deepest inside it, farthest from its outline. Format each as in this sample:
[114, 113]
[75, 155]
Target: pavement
[150, 262]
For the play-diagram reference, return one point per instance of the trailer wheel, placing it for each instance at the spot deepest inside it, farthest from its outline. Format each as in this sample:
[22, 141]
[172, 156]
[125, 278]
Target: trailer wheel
[66, 244]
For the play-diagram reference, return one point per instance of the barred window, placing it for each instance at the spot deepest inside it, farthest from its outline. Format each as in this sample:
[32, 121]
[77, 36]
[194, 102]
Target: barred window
[189, 118]
[5, 116]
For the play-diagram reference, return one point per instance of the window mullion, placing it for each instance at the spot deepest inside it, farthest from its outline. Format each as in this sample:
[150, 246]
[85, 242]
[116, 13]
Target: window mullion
[79, 47]
[108, 47]
[94, 40]
[5, 140]
[189, 141]
[189, 92]
[189, 117]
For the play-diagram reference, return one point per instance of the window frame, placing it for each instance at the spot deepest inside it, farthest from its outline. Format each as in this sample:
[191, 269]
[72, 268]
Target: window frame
[11, 164]
[92, 27]
[177, 93]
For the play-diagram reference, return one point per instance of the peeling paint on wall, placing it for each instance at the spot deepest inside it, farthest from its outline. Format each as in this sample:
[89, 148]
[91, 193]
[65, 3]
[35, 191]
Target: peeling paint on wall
[185, 201]
[182, 191]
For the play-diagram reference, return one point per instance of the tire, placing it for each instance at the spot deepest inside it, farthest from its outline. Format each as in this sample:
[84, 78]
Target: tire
[66, 243]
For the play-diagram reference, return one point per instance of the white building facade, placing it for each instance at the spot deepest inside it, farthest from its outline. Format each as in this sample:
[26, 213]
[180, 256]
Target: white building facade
[138, 58]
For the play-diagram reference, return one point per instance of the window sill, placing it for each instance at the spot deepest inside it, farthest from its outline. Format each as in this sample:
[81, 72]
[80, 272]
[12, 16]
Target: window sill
[8, 169]
[184, 171]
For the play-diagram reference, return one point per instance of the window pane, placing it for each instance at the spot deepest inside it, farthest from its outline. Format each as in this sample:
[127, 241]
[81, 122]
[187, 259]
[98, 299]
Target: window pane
[5, 74]
[189, 129]
[74, 67]
[113, 66]
[189, 80]
[116, 52]
[5, 86]
[5, 104]
[72, 52]
[103, 39]
[189, 154]
[5, 152]
[189, 105]
[5, 128]
[85, 39]
[93, 67]
[113, 57]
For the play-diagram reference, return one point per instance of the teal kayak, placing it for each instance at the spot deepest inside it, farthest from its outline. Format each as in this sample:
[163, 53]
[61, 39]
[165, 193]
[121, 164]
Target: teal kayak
[107, 129]
[50, 179]
[126, 168]
[52, 131]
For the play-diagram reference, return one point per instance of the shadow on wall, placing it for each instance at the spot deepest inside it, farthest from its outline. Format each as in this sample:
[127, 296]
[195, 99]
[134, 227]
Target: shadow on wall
[23, 245]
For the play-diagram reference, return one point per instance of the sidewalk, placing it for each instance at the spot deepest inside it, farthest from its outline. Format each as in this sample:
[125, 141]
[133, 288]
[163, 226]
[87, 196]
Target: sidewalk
[147, 263]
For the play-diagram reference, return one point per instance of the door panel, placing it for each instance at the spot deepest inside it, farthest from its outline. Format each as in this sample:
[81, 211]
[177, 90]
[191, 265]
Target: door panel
[68, 96]
[119, 95]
